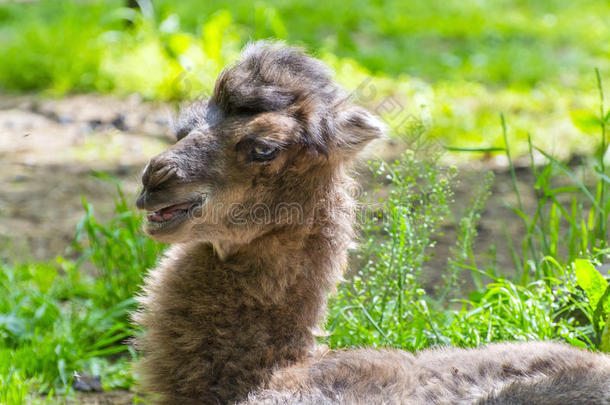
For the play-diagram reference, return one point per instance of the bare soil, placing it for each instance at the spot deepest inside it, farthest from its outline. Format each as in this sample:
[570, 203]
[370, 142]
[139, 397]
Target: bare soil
[119, 397]
[49, 153]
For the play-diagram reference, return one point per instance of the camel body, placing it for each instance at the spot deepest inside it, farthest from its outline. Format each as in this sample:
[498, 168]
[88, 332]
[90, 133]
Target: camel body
[255, 197]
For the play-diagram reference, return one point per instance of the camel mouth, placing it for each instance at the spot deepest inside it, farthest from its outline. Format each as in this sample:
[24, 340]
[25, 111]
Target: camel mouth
[170, 216]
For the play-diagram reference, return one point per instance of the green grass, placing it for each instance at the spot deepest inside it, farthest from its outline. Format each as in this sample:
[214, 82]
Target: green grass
[55, 319]
[507, 42]
[462, 60]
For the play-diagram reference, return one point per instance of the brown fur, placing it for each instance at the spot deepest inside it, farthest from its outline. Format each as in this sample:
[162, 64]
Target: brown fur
[540, 373]
[231, 311]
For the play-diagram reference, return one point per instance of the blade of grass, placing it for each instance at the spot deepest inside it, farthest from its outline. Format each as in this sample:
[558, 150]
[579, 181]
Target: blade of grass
[571, 175]
[460, 149]
[516, 189]
[603, 216]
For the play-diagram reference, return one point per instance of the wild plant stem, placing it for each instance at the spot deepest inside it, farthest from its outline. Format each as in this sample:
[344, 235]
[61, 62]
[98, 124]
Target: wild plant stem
[516, 188]
[602, 165]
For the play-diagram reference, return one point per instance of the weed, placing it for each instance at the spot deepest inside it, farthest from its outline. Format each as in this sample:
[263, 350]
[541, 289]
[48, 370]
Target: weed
[559, 294]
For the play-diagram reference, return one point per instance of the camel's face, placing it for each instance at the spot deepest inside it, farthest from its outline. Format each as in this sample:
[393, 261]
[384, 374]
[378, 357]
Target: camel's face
[225, 176]
[250, 158]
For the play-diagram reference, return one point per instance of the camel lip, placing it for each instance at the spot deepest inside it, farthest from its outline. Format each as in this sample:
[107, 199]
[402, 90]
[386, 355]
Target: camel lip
[174, 207]
[156, 227]
[184, 204]
[168, 217]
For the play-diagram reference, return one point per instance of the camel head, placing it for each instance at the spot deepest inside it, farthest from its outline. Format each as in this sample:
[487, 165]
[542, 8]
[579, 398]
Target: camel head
[273, 134]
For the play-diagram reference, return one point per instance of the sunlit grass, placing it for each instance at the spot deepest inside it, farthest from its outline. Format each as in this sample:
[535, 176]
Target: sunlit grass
[457, 63]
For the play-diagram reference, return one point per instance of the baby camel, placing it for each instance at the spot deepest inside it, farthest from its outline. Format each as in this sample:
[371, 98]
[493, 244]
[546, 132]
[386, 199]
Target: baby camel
[255, 197]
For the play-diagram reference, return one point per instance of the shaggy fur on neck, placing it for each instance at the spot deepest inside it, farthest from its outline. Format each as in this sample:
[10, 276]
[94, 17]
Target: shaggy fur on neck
[216, 329]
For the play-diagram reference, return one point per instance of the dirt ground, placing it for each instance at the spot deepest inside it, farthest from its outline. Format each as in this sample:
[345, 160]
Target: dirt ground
[120, 397]
[50, 151]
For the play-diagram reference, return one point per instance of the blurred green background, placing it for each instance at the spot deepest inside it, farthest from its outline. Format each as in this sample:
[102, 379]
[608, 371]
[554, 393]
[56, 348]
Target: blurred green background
[454, 63]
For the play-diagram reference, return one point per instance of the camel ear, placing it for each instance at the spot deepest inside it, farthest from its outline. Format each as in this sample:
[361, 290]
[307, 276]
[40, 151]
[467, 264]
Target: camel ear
[356, 127]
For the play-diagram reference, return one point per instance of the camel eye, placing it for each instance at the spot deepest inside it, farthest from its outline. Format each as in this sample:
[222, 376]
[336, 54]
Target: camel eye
[262, 153]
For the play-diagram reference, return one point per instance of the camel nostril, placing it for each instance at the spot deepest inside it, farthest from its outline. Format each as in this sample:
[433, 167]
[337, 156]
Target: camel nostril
[156, 173]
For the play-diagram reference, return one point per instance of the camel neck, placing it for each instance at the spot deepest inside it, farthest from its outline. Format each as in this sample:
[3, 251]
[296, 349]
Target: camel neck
[239, 315]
